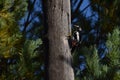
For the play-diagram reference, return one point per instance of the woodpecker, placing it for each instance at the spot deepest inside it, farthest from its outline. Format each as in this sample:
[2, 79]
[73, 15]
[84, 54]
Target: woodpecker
[77, 34]
[75, 39]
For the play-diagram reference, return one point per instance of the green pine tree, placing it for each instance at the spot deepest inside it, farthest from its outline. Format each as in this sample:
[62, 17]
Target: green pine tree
[10, 37]
[19, 58]
[107, 68]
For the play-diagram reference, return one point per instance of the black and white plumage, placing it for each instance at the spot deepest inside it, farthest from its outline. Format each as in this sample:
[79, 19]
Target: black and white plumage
[77, 33]
[76, 36]
[75, 39]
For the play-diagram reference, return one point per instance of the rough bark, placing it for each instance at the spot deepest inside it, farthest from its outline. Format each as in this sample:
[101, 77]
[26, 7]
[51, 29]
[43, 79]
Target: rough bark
[57, 19]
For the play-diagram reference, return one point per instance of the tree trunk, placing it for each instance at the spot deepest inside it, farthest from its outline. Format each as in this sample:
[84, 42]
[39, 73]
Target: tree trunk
[57, 19]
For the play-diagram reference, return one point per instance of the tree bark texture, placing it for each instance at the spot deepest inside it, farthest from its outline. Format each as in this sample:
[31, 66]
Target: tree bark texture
[57, 19]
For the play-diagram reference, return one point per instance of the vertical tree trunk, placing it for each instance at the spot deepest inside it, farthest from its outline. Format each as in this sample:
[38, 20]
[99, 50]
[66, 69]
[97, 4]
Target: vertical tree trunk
[57, 19]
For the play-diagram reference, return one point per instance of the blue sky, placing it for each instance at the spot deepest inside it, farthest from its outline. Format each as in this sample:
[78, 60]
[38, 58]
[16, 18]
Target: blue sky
[88, 10]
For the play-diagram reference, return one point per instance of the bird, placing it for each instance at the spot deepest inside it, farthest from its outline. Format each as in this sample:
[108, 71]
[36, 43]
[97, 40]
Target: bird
[75, 39]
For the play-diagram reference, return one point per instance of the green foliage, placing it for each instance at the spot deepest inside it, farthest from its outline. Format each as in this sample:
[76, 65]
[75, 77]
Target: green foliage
[114, 47]
[26, 66]
[10, 38]
[107, 68]
[108, 12]
[19, 58]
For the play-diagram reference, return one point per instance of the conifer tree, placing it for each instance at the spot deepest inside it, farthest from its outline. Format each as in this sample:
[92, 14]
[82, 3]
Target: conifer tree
[96, 68]
[10, 37]
[18, 56]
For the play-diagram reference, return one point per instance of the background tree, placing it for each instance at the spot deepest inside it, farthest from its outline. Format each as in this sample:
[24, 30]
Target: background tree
[10, 37]
[96, 68]
[17, 57]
